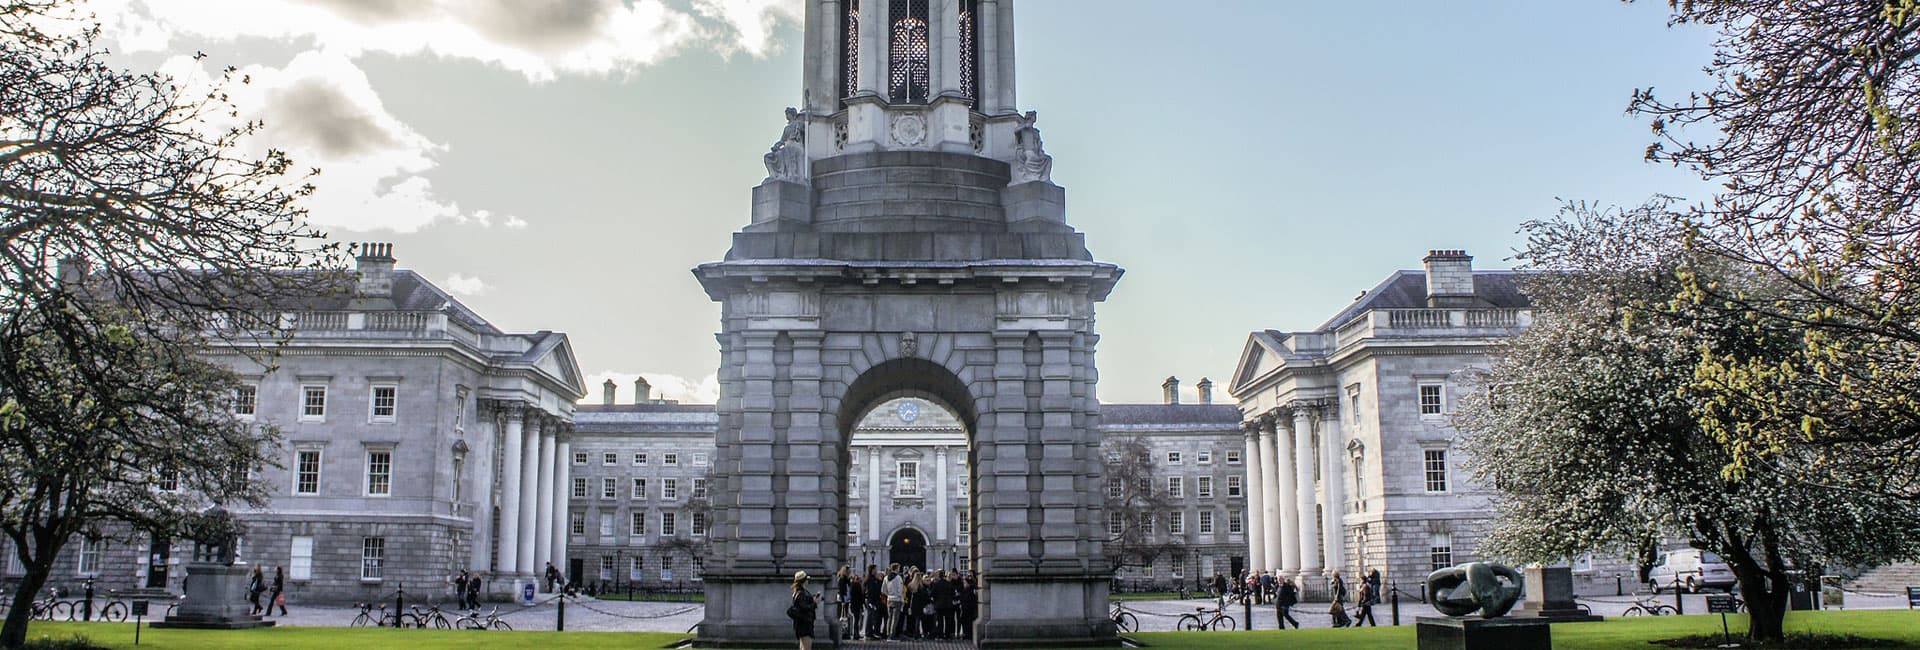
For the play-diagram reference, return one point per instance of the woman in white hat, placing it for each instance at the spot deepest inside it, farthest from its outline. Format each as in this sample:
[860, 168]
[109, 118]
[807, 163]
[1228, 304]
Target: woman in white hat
[802, 610]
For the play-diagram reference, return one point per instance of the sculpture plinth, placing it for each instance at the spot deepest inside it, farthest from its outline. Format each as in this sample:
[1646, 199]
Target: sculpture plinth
[215, 600]
[1446, 633]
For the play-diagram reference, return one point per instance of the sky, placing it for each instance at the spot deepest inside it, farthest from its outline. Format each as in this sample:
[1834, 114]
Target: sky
[1253, 164]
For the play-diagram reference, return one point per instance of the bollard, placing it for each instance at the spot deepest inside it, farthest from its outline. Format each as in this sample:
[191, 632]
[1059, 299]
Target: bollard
[89, 606]
[399, 603]
[1396, 605]
[1246, 602]
[1679, 598]
[561, 624]
[1619, 585]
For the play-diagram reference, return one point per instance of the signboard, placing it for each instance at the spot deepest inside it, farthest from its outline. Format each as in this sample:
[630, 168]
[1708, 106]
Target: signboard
[139, 608]
[526, 594]
[1913, 597]
[1721, 604]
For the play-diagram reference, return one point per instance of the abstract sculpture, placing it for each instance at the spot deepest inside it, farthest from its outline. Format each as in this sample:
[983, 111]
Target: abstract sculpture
[1490, 589]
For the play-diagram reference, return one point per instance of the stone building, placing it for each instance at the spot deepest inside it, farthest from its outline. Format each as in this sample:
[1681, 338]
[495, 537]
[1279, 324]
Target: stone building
[416, 440]
[1346, 426]
[1197, 476]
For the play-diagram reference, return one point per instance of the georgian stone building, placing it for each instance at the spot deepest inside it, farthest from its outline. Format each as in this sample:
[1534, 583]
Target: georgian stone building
[1346, 430]
[417, 440]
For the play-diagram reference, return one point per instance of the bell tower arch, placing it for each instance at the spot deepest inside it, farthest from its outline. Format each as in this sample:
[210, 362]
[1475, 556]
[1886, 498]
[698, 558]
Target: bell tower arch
[909, 237]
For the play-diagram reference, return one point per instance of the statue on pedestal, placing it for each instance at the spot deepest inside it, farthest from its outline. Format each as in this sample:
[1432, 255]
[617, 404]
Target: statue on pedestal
[787, 160]
[1488, 588]
[1030, 160]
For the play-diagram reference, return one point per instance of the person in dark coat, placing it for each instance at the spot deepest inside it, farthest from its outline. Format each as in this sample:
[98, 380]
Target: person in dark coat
[1338, 588]
[805, 603]
[1367, 597]
[473, 593]
[855, 601]
[1267, 589]
[969, 607]
[275, 598]
[944, 592]
[876, 603]
[1283, 604]
[256, 585]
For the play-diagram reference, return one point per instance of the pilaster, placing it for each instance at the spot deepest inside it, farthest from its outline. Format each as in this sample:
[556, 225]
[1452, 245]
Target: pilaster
[1274, 496]
[1254, 486]
[510, 485]
[1309, 538]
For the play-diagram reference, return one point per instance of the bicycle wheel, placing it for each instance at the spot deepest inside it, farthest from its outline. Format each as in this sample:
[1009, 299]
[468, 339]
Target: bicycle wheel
[500, 625]
[441, 623]
[1126, 622]
[114, 612]
[60, 611]
[1225, 622]
[1635, 610]
[362, 620]
[1665, 610]
[1189, 623]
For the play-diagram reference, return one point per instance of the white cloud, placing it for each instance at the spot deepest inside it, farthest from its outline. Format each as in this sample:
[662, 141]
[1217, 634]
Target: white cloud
[465, 285]
[747, 25]
[516, 223]
[665, 386]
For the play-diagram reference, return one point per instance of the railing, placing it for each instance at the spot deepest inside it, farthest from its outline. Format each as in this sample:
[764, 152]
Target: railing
[397, 321]
[1383, 322]
[372, 321]
[1415, 318]
[320, 320]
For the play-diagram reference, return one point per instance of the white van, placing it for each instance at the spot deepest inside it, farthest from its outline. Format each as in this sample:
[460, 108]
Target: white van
[1695, 570]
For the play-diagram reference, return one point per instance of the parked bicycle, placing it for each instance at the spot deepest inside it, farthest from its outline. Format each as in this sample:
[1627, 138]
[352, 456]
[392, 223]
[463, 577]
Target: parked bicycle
[1124, 619]
[1649, 606]
[475, 621]
[1205, 618]
[431, 617]
[366, 618]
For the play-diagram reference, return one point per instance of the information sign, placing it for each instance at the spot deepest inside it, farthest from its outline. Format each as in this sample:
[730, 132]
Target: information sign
[1721, 604]
[1913, 597]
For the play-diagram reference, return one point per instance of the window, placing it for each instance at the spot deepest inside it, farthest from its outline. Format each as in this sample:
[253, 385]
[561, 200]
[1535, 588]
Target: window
[639, 458]
[14, 567]
[373, 558]
[668, 524]
[606, 525]
[579, 458]
[313, 403]
[606, 567]
[1176, 523]
[698, 522]
[1204, 486]
[1146, 486]
[966, 525]
[246, 399]
[578, 526]
[379, 472]
[908, 484]
[169, 480]
[1233, 457]
[637, 526]
[1432, 400]
[1235, 522]
[639, 488]
[636, 568]
[459, 472]
[460, 409]
[853, 486]
[670, 459]
[1176, 487]
[1203, 457]
[579, 487]
[1116, 524]
[609, 488]
[853, 527]
[1441, 550]
[300, 562]
[1114, 490]
[385, 399]
[1353, 403]
[699, 460]
[90, 552]
[669, 488]
[610, 459]
[1233, 486]
[699, 488]
[909, 61]
[1206, 522]
[1436, 470]
[1113, 458]
[1173, 458]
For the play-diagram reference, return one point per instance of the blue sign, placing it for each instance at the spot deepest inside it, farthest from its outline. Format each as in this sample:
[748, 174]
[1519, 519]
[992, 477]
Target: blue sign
[526, 594]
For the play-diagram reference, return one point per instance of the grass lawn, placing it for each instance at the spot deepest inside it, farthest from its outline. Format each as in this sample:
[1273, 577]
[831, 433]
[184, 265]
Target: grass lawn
[1901, 625]
[120, 635]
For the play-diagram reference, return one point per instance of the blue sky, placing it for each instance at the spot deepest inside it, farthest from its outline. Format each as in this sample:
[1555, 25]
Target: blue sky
[1252, 163]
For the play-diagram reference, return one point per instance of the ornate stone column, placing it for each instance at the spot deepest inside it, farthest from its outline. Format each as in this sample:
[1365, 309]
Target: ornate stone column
[486, 424]
[543, 500]
[1254, 487]
[530, 493]
[1303, 491]
[1332, 469]
[873, 494]
[510, 484]
[942, 509]
[562, 491]
[1270, 488]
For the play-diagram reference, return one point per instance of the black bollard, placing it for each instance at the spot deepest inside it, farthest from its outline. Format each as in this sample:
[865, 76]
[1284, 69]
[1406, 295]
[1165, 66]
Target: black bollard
[1396, 605]
[399, 604]
[89, 605]
[1619, 585]
[561, 624]
[1246, 602]
[1679, 598]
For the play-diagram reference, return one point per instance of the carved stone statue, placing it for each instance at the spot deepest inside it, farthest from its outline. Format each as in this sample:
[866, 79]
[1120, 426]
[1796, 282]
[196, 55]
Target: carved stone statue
[787, 160]
[909, 345]
[1030, 160]
[1488, 588]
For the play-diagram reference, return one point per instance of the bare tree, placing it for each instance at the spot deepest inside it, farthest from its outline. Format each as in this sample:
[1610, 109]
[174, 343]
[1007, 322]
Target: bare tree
[1137, 505]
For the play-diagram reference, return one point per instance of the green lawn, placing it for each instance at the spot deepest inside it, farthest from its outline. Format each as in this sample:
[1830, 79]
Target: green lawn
[1901, 625]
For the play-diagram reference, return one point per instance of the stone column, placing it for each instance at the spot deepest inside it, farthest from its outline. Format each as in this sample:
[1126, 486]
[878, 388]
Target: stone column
[1254, 487]
[486, 433]
[873, 494]
[515, 443]
[986, 37]
[1289, 506]
[1270, 488]
[530, 493]
[1332, 454]
[942, 510]
[562, 491]
[1303, 481]
[873, 47]
[543, 500]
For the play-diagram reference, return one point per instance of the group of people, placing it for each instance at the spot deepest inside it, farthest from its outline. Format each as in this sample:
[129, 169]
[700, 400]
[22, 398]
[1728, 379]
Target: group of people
[467, 587]
[276, 593]
[901, 603]
[1263, 587]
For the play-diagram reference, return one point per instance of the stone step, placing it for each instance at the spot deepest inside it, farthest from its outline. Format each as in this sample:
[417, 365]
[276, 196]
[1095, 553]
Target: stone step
[1892, 579]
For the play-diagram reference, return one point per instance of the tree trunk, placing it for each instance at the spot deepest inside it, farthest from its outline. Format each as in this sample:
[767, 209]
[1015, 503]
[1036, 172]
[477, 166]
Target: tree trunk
[1766, 608]
[15, 634]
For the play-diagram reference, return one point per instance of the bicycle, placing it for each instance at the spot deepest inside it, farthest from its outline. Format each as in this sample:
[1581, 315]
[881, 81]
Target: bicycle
[474, 621]
[365, 619]
[431, 616]
[1205, 619]
[1649, 606]
[1124, 619]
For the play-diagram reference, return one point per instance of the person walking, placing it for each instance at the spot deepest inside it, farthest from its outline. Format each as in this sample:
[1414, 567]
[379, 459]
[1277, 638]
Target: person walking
[553, 578]
[1338, 589]
[855, 602]
[805, 603]
[1283, 603]
[876, 603]
[1369, 595]
[473, 593]
[256, 585]
[969, 607]
[278, 597]
[896, 593]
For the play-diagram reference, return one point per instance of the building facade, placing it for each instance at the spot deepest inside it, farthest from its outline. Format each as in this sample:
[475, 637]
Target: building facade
[1347, 433]
[417, 442]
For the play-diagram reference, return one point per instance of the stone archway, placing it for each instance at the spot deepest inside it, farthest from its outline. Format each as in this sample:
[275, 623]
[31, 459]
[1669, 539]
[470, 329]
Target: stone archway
[907, 547]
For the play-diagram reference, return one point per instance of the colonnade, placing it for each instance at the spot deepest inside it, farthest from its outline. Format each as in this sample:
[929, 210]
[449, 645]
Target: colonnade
[1295, 495]
[533, 483]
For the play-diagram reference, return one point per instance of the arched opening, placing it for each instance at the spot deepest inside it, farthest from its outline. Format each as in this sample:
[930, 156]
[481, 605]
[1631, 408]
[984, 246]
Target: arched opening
[910, 57]
[907, 547]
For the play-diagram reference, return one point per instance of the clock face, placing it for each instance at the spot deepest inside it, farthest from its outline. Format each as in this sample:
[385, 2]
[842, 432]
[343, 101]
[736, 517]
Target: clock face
[908, 411]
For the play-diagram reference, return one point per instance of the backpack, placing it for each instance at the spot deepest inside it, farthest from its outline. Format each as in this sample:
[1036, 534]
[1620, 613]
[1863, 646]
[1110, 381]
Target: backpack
[802, 607]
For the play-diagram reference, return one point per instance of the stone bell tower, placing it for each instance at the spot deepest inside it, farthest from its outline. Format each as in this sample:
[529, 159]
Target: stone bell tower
[909, 241]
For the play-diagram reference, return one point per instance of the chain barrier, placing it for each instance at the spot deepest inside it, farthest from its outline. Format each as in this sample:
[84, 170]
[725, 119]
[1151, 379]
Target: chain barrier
[633, 617]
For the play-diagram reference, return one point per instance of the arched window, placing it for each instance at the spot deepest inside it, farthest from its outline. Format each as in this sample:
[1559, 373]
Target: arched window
[970, 49]
[910, 61]
[850, 51]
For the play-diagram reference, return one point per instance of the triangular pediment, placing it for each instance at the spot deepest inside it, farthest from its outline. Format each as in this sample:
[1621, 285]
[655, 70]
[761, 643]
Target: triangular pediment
[1262, 356]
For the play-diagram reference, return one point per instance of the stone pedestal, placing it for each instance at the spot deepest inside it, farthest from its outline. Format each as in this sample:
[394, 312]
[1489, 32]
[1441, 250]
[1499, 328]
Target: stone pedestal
[1446, 633]
[1550, 596]
[1047, 612]
[1035, 206]
[781, 202]
[216, 600]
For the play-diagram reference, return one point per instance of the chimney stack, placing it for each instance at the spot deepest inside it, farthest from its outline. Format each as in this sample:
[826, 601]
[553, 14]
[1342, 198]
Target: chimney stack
[642, 391]
[1449, 278]
[1171, 389]
[1206, 390]
[607, 390]
[374, 261]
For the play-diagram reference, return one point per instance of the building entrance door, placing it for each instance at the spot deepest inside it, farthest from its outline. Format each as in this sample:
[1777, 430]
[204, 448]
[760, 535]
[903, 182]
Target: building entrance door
[159, 550]
[575, 568]
[908, 548]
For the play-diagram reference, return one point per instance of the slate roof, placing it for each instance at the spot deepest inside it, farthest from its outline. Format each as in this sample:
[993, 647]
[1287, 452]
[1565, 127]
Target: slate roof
[1407, 289]
[1226, 415]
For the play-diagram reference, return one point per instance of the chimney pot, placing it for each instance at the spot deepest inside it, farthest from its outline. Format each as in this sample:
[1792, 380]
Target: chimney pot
[607, 391]
[642, 391]
[375, 265]
[1449, 278]
[1171, 390]
[1206, 390]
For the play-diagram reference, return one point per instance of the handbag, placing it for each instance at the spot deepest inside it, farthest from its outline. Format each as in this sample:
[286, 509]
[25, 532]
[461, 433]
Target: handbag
[280, 601]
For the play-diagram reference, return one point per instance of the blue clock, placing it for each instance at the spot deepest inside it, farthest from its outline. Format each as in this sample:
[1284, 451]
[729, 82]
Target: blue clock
[908, 412]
